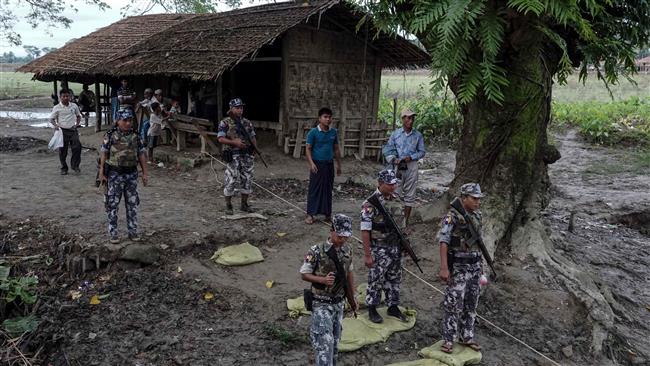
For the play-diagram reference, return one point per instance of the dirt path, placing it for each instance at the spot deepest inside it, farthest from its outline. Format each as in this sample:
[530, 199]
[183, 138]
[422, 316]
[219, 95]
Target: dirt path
[156, 315]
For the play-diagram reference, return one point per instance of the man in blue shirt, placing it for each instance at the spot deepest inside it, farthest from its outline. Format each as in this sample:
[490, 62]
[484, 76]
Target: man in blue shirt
[409, 145]
[322, 147]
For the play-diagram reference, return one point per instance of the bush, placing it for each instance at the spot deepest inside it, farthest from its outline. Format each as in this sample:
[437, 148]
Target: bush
[626, 121]
[438, 119]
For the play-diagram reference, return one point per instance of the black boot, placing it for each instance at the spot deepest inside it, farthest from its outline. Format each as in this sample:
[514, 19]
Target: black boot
[374, 315]
[395, 311]
[229, 206]
[244, 204]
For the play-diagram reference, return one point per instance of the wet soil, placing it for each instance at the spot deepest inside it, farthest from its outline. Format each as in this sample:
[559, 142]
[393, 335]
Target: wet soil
[158, 314]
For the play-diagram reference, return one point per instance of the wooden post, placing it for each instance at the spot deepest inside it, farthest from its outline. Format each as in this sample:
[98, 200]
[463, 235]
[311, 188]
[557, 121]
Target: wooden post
[98, 108]
[342, 127]
[219, 98]
[297, 150]
[56, 89]
[284, 88]
[363, 130]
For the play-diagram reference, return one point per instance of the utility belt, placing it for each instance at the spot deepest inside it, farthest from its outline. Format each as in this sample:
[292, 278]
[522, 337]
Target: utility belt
[122, 169]
[456, 257]
[385, 243]
[328, 299]
[227, 154]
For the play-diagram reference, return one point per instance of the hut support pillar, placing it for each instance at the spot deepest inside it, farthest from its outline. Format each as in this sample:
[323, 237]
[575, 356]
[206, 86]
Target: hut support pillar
[56, 89]
[394, 113]
[219, 98]
[343, 126]
[98, 108]
[284, 91]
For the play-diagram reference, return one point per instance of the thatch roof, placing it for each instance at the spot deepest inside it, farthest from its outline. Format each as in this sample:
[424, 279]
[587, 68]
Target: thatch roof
[201, 46]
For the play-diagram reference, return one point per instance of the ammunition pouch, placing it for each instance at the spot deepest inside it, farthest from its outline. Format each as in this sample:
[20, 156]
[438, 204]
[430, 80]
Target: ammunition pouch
[308, 297]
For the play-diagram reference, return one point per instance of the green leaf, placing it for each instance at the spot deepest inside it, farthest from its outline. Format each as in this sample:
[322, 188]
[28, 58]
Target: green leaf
[526, 6]
[19, 325]
[4, 273]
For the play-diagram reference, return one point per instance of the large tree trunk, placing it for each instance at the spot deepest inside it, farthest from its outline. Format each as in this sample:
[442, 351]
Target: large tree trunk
[505, 149]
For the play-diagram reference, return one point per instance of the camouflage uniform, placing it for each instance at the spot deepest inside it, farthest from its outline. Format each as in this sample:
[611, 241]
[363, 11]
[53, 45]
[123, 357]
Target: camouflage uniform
[328, 304]
[386, 252]
[463, 290]
[124, 148]
[239, 172]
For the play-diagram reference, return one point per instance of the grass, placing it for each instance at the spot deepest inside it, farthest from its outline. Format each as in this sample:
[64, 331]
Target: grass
[637, 162]
[286, 337]
[409, 84]
[21, 85]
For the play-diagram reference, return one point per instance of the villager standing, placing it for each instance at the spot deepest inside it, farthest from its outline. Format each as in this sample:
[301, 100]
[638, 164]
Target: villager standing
[121, 152]
[322, 147]
[237, 134]
[143, 109]
[461, 268]
[155, 129]
[87, 103]
[408, 143]
[322, 267]
[67, 117]
[126, 96]
[382, 251]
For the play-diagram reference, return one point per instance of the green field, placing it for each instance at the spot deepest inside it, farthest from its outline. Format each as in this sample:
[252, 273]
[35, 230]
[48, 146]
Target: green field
[394, 84]
[21, 85]
[411, 84]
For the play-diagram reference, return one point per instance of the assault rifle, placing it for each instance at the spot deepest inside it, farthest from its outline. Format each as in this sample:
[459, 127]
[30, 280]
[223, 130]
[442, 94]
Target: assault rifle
[341, 279]
[476, 236]
[242, 131]
[394, 228]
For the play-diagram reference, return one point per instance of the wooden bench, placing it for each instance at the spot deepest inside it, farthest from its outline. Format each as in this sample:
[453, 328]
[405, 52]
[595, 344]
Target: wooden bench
[181, 125]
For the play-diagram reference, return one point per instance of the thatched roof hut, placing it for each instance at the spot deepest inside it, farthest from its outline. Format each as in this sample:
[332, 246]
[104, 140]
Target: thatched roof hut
[285, 59]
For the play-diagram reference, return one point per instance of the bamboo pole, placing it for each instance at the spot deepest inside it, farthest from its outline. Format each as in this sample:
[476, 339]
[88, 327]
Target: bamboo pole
[98, 108]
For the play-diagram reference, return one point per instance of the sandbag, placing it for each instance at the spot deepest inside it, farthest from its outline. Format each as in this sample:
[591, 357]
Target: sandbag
[297, 307]
[362, 331]
[421, 362]
[462, 355]
[237, 255]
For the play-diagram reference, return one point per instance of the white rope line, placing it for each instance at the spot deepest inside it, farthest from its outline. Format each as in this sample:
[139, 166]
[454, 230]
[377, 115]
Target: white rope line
[403, 267]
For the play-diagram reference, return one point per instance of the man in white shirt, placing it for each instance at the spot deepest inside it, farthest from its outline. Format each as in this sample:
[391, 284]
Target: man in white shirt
[67, 117]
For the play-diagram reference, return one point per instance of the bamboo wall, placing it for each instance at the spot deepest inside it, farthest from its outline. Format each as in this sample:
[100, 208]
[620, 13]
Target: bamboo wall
[335, 69]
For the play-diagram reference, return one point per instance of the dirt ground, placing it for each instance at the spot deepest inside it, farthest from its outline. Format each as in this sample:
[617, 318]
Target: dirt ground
[157, 314]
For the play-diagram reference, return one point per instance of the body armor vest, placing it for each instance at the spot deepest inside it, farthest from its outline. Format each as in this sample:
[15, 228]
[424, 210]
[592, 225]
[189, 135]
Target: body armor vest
[325, 265]
[124, 149]
[461, 233]
[380, 231]
[233, 133]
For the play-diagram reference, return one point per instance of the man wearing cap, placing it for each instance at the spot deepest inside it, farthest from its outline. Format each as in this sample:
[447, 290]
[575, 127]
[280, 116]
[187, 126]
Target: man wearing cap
[121, 151]
[408, 143]
[460, 269]
[319, 268]
[382, 251]
[238, 154]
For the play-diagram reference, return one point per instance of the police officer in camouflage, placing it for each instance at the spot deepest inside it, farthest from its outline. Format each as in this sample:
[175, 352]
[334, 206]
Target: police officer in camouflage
[121, 151]
[461, 268]
[239, 154]
[382, 250]
[328, 296]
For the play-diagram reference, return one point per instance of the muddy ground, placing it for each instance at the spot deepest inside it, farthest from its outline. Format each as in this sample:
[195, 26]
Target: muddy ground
[157, 314]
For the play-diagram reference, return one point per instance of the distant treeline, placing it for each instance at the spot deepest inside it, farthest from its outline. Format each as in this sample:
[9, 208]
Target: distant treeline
[32, 53]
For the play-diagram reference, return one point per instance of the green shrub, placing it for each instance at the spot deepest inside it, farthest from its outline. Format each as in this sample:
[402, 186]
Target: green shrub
[438, 119]
[626, 121]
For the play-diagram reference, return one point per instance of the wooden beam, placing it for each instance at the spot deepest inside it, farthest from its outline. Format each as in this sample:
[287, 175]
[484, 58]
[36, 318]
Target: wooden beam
[284, 88]
[219, 98]
[98, 108]
[297, 151]
[343, 127]
[56, 89]
[394, 113]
